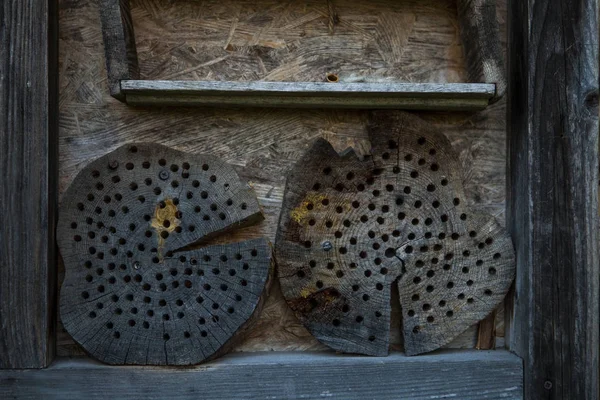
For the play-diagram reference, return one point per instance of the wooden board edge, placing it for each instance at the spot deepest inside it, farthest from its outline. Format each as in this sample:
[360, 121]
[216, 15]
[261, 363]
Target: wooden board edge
[421, 89]
[458, 374]
[29, 162]
[552, 196]
[480, 35]
[420, 96]
[119, 44]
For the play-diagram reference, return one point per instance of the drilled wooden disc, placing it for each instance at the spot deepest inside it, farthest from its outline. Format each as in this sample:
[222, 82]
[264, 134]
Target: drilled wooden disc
[349, 229]
[133, 293]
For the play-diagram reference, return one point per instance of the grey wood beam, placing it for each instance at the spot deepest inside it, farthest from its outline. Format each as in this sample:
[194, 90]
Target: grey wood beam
[417, 96]
[462, 375]
[552, 194]
[28, 182]
[119, 44]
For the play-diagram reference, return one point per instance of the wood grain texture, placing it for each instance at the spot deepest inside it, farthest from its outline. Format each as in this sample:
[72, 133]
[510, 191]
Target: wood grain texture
[450, 374]
[183, 40]
[414, 96]
[479, 32]
[480, 35]
[119, 44]
[140, 286]
[350, 229]
[28, 178]
[486, 334]
[553, 196]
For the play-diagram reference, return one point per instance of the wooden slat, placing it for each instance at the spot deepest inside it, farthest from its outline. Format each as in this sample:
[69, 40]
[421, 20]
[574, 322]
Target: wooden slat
[274, 375]
[486, 334]
[480, 34]
[119, 44]
[416, 96]
[28, 174]
[553, 194]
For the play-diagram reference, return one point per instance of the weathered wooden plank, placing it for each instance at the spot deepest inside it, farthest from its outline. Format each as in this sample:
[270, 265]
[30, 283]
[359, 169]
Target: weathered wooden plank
[119, 44]
[480, 34]
[282, 375]
[420, 96]
[215, 88]
[28, 178]
[553, 194]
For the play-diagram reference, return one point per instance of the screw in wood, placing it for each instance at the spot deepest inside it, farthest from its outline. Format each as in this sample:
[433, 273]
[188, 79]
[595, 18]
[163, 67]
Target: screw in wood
[164, 174]
[136, 265]
[114, 164]
[327, 246]
[547, 385]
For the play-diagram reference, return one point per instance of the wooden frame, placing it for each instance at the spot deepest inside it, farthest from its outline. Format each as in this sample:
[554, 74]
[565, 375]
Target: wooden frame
[468, 374]
[479, 32]
[28, 161]
[552, 194]
[552, 212]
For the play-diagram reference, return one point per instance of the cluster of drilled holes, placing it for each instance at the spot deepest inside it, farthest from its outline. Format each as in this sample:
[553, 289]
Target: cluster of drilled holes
[174, 272]
[450, 285]
[430, 273]
[132, 227]
[443, 217]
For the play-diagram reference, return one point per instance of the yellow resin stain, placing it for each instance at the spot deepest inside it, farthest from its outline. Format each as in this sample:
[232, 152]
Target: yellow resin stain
[164, 220]
[299, 213]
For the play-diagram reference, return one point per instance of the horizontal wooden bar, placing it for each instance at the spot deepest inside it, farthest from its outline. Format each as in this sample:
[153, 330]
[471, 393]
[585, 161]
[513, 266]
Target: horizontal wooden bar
[413, 96]
[467, 374]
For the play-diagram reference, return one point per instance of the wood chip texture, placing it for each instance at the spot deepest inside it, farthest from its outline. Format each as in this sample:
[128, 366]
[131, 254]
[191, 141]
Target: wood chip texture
[350, 229]
[134, 292]
[271, 41]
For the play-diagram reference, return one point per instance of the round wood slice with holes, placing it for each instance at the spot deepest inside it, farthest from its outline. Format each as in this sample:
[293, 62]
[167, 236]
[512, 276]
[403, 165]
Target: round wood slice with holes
[350, 229]
[135, 292]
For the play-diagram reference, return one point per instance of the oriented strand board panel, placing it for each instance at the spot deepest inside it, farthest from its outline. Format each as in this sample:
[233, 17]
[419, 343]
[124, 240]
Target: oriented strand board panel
[275, 41]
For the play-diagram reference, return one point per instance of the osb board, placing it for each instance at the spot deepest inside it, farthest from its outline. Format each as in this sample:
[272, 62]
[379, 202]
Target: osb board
[411, 40]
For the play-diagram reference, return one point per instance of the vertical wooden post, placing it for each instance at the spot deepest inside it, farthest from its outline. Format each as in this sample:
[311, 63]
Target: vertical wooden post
[480, 36]
[553, 194]
[28, 181]
[119, 44]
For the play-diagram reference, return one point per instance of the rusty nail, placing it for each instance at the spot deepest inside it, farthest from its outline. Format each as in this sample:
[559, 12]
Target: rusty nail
[113, 164]
[164, 174]
[547, 385]
[327, 246]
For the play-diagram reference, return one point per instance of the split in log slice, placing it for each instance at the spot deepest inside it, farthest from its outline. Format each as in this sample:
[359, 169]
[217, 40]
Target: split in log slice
[349, 229]
[134, 290]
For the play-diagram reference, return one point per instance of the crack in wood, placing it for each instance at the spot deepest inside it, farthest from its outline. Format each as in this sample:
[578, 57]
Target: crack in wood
[138, 289]
[406, 203]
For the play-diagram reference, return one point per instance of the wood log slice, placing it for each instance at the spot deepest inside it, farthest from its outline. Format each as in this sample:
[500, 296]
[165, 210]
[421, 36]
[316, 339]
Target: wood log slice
[134, 290]
[350, 229]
